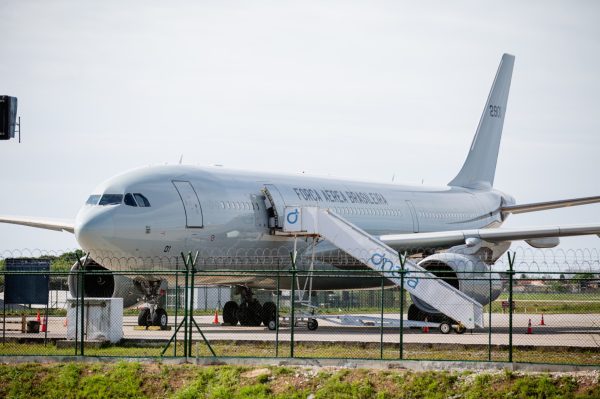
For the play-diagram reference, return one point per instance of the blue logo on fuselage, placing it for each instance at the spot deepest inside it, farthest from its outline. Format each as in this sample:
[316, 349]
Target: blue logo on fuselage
[292, 217]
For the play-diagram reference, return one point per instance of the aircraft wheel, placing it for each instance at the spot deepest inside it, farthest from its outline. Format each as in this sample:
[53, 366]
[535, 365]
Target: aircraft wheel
[445, 328]
[144, 317]
[460, 329]
[272, 325]
[161, 319]
[230, 313]
[415, 314]
[255, 311]
[312, 324]
[268, 313]
[243, 315]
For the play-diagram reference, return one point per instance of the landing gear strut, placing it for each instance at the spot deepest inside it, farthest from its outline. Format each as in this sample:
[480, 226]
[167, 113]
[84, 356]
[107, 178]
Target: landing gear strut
[249, 312]
[152, 313]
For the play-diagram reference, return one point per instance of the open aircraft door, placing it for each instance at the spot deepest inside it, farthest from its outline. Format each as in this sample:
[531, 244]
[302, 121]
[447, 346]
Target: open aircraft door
[275, 206]
[191, 204]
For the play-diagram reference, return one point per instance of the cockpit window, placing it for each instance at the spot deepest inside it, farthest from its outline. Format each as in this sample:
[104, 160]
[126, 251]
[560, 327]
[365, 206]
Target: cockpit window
[129, 200]
[141, 200]
[111, 199]
[93, 200]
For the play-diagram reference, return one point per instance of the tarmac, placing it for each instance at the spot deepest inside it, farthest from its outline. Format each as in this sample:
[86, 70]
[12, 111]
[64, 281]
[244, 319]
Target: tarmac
[559, 330]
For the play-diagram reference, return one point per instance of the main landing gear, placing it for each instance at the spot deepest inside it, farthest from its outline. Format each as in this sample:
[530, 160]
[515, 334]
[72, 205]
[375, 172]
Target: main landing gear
[249, 312]
[153, 312]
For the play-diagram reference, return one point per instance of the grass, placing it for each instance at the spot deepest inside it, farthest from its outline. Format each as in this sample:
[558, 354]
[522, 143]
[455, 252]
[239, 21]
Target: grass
[133, 380]
[324, 350]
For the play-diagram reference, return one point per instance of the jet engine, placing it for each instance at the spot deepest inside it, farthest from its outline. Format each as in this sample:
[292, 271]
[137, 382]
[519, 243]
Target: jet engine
[466, 273]
[99, 282]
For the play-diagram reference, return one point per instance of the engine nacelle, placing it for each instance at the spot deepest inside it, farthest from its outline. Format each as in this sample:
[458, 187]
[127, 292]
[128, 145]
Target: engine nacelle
[103, 284]
[466, 273]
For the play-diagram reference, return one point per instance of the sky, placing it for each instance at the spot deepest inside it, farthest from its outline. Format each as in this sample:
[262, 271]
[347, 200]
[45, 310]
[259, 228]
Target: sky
[374, 91]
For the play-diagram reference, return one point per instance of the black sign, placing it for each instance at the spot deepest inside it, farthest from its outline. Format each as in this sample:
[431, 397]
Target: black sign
[26, 288]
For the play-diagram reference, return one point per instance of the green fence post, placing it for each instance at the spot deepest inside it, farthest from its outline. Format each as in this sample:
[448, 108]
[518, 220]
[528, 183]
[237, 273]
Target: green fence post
[191, 312]
[402, 271]
[176, 306]
[277, 314]
[82, 331]
[381, 327]
[77, 314]
[186, 296]
[293, 307]
[511, 272]
[490, 321]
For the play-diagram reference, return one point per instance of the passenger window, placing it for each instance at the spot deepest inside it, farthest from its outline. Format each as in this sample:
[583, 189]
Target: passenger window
[129, 200]
[141, 200]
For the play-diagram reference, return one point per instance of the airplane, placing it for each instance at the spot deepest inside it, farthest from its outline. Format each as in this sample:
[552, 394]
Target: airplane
[158, 212]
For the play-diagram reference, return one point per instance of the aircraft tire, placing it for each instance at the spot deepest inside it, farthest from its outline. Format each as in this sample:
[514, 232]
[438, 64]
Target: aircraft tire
[144, 317]
[243, 315]
[230, 313]
[312, 324]
[268, 313]
[255, 311]
[160, 319]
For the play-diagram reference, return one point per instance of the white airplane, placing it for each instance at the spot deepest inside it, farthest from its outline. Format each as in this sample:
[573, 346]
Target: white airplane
[155, 213]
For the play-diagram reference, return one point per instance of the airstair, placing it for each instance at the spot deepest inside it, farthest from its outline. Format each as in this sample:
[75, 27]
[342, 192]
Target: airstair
[314, 221]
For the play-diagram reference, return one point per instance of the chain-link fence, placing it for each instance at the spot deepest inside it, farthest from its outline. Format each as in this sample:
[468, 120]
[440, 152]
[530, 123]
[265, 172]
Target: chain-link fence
[529, 306]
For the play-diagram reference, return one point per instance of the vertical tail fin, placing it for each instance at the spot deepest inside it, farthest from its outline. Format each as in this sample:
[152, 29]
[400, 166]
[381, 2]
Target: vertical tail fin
[480, 166]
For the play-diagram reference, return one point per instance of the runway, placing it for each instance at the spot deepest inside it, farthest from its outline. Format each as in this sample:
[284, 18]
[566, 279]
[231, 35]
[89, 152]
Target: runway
[560, 330]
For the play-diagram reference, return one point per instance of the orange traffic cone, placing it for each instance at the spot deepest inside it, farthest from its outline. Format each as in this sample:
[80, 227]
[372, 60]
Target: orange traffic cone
[44, 324]
[216, 320]
[426, 328]
[542, 322]
[66, 322]
[38, 317]
[529, 329]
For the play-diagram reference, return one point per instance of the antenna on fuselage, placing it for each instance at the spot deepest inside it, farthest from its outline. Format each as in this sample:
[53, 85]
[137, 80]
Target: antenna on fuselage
[181, 159]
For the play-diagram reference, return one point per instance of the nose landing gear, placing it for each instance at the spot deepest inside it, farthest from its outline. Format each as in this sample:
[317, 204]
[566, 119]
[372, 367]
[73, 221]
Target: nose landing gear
[152, 313]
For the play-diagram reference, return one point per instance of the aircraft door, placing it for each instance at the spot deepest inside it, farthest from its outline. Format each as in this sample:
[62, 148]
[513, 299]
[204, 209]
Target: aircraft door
[260, 212]
[191, 204]
[275, 206]
[413, 214]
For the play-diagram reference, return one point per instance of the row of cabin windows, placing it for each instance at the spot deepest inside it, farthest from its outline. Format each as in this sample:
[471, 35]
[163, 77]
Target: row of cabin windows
[135, 199]
[366, 211]
[247, 206]
[446, 215]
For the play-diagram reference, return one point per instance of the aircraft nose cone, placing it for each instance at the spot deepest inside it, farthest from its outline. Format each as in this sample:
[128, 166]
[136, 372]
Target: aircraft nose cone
[94, 231]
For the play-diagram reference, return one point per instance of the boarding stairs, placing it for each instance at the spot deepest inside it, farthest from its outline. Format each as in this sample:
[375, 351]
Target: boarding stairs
[314, 221]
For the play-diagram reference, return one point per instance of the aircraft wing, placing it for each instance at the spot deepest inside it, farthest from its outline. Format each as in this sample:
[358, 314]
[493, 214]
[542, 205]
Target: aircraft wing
[42, 223]
[460, 237]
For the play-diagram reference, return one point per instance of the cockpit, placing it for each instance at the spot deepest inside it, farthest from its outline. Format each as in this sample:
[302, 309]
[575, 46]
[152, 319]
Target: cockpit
[130, 199]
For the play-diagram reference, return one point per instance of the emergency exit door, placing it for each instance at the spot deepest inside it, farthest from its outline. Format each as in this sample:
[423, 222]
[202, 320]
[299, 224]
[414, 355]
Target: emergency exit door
[191, 204]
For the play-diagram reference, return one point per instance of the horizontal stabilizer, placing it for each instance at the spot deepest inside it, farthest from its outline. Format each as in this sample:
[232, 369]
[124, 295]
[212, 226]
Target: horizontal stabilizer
[542, 206]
